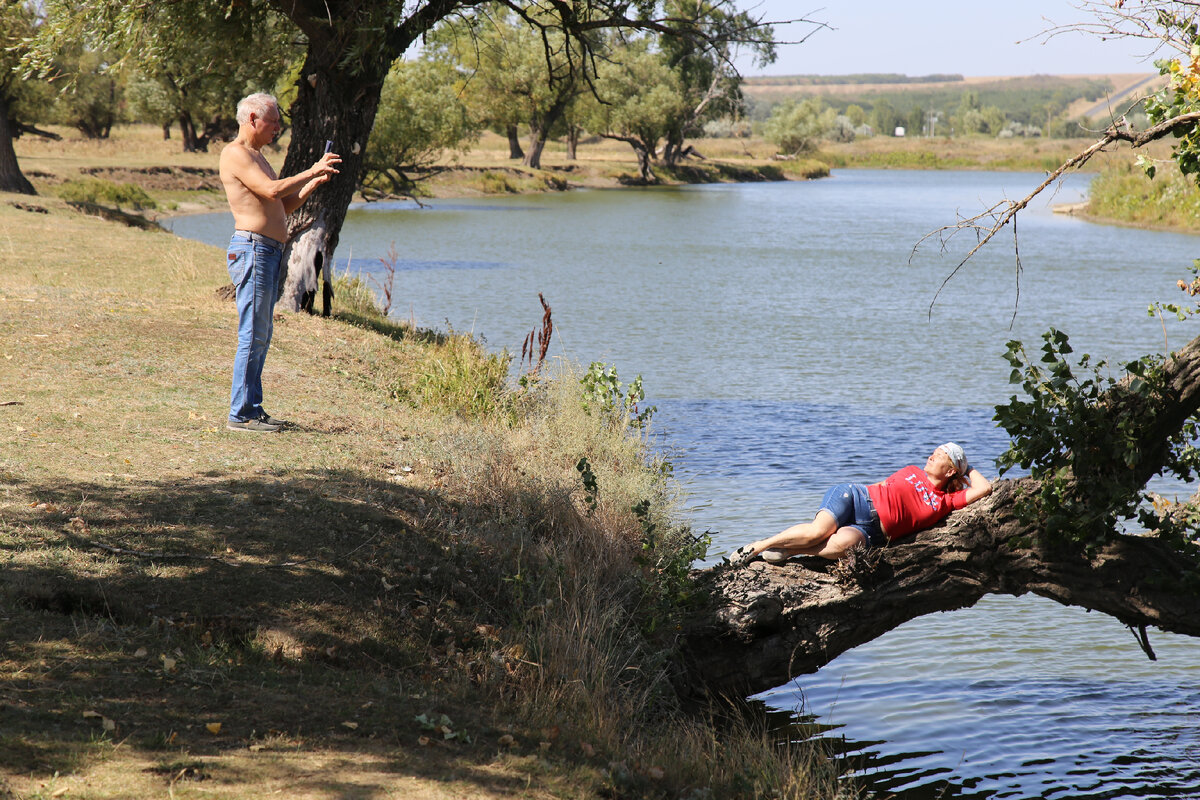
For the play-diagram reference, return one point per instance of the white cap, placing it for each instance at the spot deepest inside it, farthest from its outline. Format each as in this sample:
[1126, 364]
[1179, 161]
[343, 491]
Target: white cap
[957, 457]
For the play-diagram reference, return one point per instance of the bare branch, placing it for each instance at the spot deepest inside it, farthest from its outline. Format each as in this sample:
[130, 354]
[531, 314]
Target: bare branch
[1005, 211]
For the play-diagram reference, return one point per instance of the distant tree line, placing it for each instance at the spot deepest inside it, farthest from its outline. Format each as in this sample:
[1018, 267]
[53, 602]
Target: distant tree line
[856, 78]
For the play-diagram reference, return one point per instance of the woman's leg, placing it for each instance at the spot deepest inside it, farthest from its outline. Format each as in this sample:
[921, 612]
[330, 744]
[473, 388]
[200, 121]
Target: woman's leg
[835, 546]
[800, 538]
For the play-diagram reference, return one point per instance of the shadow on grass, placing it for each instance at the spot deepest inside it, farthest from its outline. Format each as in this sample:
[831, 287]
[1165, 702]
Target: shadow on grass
[397, 331]
[290, 604]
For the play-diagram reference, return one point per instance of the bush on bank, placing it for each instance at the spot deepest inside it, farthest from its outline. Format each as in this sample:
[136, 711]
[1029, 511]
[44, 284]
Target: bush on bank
[1123, 193]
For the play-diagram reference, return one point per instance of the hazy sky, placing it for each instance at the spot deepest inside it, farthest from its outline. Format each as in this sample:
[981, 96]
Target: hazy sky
[920, 37]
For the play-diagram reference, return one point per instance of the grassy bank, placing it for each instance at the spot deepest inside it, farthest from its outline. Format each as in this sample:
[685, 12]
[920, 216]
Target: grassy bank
[188, 183]
[1024, 155]
[409, 593]
[1123, 195]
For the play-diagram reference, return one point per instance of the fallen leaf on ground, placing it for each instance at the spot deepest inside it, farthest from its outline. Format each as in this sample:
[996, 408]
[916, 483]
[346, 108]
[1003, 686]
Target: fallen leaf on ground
[351, 725]
[213, 727]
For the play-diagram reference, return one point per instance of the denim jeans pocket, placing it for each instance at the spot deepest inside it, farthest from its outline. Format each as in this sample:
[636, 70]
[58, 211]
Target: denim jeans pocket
[238, 262]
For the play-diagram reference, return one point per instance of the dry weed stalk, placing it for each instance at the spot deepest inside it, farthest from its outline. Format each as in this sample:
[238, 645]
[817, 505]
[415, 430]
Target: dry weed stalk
[543, 340]
[389, 268]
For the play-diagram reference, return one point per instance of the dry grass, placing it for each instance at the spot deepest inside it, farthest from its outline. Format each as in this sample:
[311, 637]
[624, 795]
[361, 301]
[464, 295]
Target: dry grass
[193, 612]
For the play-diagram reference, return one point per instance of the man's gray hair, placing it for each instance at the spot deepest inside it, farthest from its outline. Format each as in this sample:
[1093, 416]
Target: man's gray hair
[258, 103]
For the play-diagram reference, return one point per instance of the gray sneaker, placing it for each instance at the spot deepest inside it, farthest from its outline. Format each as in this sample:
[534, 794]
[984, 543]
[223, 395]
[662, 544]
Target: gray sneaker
[276, 421]
[252, 425]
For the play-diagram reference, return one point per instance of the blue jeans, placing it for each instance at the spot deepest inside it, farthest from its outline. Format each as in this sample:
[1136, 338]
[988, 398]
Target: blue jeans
[850, 504]
[254, 270]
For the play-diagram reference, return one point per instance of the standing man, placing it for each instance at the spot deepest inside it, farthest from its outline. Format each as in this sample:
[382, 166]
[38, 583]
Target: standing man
[260, 202]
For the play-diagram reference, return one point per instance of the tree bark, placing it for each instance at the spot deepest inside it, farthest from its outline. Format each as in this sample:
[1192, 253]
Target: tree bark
[331, 104]
[192, 142]
[11, 177]
[540, 125]
[514, 142]
[644, 153]
[763, 624]
[573, 132]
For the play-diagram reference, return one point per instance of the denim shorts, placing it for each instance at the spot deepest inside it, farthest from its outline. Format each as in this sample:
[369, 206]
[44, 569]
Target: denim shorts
[851, 506]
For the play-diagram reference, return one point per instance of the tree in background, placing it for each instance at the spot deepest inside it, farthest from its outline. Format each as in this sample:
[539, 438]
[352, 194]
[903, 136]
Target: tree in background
[972, 118]
[146, 100]
[796, 127]
[638, 100]
[885, 118]
[90, 102]
[205, 55]
[421, 115]
[518, 74]
[20, 94]
[708, 84]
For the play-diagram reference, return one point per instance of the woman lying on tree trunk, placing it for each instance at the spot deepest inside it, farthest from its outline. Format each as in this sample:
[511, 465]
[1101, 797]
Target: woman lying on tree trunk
[851, 514]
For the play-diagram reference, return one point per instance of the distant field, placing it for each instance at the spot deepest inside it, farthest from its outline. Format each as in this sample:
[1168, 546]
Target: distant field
[1029, 99]
[774, 88]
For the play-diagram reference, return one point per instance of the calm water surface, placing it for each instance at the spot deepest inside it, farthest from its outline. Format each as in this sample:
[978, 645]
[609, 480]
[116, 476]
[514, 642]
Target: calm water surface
[789, 343]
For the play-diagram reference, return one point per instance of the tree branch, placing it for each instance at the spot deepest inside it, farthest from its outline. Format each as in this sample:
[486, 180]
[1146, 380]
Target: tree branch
[1006, 211]
[765, 624]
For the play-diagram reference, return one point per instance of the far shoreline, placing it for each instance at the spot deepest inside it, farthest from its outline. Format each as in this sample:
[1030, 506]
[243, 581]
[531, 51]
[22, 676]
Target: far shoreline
[138, 154]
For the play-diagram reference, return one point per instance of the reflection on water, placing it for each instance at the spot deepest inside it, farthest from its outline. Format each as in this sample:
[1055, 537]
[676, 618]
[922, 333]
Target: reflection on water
[789, 344]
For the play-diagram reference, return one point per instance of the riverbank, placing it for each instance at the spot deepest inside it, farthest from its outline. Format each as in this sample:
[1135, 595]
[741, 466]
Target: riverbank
[410, 593]
[187, 182]
[183, 183]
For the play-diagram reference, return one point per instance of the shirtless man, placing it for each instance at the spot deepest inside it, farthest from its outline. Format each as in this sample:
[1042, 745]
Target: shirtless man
[260, 202]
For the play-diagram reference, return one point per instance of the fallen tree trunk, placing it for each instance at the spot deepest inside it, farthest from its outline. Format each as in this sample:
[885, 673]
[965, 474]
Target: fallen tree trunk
[766, 624]
[763, 625]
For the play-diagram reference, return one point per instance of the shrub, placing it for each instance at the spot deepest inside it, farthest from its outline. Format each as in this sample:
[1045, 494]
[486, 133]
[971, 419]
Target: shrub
[101, 192]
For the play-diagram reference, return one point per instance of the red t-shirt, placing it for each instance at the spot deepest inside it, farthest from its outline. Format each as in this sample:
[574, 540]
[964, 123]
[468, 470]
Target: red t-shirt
[907, 502]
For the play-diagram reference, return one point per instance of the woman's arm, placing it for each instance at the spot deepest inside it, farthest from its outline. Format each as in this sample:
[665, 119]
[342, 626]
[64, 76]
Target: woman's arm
[978, 487]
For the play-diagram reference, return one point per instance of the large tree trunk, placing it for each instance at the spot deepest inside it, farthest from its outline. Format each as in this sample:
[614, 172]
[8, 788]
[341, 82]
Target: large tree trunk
[644, 153]
[11, 177]
[540, 126]
[573, 132]
[192, 142]
[334, 105]
[514, 142]
[763, 624]
[538, 134]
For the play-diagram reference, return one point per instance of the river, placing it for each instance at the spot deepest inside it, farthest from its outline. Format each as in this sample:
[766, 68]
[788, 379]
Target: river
[789, 342]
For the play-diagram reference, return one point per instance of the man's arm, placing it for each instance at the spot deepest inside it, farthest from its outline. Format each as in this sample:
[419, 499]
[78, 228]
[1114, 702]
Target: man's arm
[246, 169]
[293, 201]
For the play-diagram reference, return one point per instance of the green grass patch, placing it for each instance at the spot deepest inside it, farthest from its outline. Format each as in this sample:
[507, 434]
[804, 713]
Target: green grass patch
[1122, 193]
[97, 191]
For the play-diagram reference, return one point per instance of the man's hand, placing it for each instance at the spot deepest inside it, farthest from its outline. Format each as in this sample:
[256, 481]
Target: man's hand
[324, 166]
